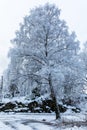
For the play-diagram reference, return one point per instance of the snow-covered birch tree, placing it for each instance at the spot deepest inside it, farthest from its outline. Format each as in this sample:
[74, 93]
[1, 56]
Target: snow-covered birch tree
[45, 50]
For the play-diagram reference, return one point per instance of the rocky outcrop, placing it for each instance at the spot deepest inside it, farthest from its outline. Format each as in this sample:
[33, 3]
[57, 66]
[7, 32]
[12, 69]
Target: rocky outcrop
[34, 106]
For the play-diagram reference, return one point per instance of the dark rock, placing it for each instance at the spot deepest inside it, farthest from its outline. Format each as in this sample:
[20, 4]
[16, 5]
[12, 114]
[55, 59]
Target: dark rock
[1, 104]
[48, 105]
[20, 104]
[62, 108]
[21, 110]
[32, 105]
[7, 106]
[44, 120]
[76, 110]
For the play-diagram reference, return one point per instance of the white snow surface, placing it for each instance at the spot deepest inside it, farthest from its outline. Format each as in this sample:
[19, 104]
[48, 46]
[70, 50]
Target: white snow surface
[27, 121]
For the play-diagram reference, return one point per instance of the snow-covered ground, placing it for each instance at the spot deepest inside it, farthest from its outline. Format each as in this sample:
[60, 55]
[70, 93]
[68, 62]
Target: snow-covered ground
[43, 121]
[18, 121]
[12, 121]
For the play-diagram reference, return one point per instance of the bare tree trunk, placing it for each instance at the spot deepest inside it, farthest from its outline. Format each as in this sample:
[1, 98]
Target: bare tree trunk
[1, 89]
[53, 95]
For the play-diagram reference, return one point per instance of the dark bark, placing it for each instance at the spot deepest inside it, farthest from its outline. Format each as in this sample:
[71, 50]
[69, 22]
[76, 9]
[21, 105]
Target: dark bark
[13, 94]
[46, 43]
[53, 96]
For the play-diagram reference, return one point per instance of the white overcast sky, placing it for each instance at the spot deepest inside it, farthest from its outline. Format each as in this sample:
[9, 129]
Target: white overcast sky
[74, 12]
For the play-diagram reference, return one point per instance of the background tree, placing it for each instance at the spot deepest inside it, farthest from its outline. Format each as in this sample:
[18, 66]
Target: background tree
[83, 56]
[13, 89]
